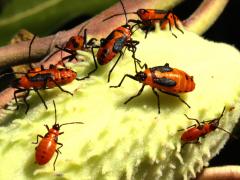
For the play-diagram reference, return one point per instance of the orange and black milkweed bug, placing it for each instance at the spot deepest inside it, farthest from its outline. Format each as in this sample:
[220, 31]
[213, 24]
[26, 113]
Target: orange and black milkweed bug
[163, 78]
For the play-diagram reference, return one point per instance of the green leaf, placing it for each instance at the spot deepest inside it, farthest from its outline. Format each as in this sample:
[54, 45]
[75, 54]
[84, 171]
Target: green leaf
[43, 17]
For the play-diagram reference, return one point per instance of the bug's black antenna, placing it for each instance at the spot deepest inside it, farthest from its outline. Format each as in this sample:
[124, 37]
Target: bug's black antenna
[71, 123]
[222, 113]
[125, 13]
[55, 110]
[10, 73]
[118, 14]
[30, 49]
[30, 46]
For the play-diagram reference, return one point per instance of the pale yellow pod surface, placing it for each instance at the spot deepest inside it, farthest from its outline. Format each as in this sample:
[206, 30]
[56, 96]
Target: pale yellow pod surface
[130, 141]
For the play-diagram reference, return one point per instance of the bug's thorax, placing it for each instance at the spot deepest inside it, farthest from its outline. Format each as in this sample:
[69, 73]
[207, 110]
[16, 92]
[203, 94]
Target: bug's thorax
[54, 131]
[126, 31]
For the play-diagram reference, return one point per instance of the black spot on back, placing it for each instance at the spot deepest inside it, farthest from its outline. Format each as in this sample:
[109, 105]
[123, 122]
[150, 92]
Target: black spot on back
[40, 77]
[161, 69]
[164, 81]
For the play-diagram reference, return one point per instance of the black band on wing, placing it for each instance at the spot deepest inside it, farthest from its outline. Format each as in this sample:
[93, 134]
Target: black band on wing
[164, 82]
[161, 69]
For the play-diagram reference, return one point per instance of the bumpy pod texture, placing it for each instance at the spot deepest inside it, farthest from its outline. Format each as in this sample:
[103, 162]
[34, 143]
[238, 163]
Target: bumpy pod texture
[130, 141]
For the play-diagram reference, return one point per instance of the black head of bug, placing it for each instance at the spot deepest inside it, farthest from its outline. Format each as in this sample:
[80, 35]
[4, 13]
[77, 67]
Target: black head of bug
[141, 12]
[140, 76]
[15, 83]
[56, 127]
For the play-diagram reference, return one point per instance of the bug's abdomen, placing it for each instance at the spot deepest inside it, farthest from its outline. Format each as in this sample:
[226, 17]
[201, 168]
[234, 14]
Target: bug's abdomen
[62, 77]
[191, 134]
[174, 81]
[75, 43]
[45, 150]
[105, 54]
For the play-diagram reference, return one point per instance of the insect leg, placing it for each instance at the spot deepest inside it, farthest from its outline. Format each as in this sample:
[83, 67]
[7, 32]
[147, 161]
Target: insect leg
[25, 101]
[109, 74]
[197, 121]
[176, 25]
[147, 31]
[91, 43]
[15, 96]
[137, 22]
[46, 127]
[126, 75]
[41, 98]
[148, 25]
[131, 45]
[64, 49]
[95, 63]
[158, 102]
[176, 95]
[166, 18]
[139, 92]
[38, 136]
[71, 52]
[57, 151]
[70, 58]
[60, 87]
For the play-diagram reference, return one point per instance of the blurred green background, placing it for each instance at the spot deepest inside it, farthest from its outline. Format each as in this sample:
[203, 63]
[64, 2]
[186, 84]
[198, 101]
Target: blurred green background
[44, 17]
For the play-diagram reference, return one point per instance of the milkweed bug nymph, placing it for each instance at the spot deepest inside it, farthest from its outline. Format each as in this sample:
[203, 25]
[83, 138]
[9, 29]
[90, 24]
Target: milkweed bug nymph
[201, 129]
[40, 78]
[149, 17]
[163, 78]
[114, 44]
[77, 42]
[48, 145]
